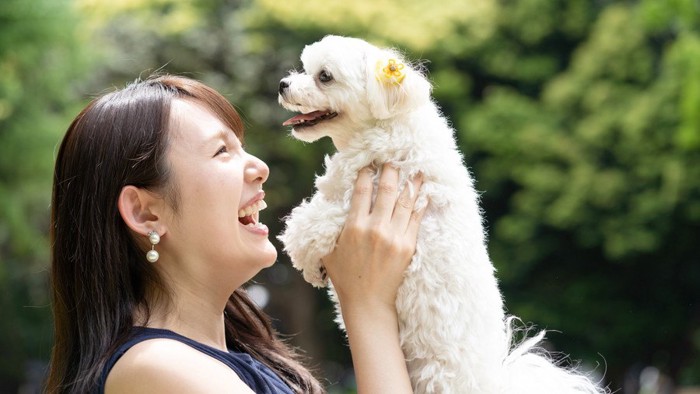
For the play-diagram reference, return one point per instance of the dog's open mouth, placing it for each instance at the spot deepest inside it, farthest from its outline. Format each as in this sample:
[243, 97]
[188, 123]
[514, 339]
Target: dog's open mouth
[310, 119]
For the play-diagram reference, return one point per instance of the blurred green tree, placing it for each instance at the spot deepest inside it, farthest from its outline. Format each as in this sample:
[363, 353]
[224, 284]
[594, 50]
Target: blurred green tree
[592, 180]
[40, 57]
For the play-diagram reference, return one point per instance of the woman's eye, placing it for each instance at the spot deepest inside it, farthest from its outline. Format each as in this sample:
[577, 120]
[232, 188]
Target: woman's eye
[221, 150]
[325, 76]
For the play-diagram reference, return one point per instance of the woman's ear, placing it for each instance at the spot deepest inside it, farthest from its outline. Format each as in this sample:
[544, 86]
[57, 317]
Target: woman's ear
[140, 210]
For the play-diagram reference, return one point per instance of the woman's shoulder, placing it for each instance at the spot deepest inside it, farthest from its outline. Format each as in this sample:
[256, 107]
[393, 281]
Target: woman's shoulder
[167, 366]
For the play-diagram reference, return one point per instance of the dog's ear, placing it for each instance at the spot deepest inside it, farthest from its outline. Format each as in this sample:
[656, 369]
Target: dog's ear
[393, 85]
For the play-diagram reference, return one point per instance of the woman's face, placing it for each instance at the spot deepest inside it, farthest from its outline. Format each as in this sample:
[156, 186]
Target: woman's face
[215, 180]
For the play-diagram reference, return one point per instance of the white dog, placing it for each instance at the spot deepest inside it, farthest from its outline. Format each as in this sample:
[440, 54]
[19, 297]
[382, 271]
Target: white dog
[377, 109]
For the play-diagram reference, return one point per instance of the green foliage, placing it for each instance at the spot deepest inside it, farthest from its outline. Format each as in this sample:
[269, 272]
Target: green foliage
[38, 59]
[592, 184]
[385, 22]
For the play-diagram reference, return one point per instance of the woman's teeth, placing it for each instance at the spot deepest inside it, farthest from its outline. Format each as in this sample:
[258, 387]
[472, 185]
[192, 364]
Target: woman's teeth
[252, 209]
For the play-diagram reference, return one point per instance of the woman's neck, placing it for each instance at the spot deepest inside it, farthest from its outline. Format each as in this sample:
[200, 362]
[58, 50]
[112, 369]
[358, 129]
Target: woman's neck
[198, 315]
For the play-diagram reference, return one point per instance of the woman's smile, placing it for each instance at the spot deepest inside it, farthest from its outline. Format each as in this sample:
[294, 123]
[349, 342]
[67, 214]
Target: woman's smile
[248, 215]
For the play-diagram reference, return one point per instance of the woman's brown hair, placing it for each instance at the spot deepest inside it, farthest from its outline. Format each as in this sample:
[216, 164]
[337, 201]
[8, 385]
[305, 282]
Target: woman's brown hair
[99, 275]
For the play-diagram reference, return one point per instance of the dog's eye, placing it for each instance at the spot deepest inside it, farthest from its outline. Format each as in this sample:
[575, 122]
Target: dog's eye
[325, 76]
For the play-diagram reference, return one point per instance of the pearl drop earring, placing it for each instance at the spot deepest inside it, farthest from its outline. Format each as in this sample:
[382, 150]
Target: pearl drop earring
[152, 255]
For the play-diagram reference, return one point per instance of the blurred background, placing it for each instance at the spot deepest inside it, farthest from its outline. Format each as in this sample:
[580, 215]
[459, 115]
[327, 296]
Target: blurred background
[580, 120]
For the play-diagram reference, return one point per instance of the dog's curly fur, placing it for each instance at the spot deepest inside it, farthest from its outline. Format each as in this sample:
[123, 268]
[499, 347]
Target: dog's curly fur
[453, 329]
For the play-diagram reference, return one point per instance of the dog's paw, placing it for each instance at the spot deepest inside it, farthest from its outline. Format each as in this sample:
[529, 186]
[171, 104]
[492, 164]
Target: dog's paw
[310, 234]
[324, 274]
[316, 277]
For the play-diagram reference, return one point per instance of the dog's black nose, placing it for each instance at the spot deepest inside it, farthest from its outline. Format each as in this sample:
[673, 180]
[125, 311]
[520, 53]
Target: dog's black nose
[283, 85]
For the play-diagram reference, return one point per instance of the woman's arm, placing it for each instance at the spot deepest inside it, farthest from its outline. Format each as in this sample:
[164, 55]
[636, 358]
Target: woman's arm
[366, 268]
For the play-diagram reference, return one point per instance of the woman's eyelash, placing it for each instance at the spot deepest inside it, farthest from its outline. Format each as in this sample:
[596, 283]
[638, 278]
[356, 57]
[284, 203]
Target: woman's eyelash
[221, 150]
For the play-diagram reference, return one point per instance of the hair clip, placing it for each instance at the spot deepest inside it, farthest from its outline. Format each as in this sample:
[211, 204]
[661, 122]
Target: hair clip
[390, 72]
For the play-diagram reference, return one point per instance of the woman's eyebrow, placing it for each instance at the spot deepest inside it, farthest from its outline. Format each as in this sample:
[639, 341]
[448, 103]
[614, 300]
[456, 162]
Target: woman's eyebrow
[223, 135]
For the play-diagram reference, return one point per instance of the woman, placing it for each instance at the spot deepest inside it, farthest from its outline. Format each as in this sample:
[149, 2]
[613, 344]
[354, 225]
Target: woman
[154, 231]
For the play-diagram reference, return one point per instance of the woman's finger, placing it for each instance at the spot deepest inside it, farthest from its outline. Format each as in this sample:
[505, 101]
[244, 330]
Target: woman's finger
[406, 203]
[361, 199]
[414, 223]
[387, 191]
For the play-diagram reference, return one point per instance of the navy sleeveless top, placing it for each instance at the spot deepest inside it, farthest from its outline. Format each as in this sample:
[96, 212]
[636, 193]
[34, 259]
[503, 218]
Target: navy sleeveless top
[260, 378]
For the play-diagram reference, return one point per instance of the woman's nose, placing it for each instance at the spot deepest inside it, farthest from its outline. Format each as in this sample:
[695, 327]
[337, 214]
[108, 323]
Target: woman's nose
[257, 170]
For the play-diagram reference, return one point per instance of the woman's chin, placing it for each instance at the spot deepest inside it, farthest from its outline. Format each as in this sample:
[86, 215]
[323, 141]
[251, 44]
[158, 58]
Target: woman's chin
[270, 255]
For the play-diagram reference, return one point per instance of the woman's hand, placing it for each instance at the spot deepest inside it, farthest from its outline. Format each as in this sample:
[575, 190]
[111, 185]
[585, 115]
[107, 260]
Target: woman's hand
[377, 243]
[366, 268]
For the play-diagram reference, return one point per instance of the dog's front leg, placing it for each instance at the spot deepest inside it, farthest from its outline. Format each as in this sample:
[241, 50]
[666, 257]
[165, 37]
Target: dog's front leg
[311, 232]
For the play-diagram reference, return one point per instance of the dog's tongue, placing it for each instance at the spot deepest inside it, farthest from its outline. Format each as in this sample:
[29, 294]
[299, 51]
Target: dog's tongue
[303, 117]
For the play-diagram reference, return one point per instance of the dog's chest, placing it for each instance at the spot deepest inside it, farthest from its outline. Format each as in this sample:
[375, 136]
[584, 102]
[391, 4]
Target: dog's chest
[338, 181]
[342, 168]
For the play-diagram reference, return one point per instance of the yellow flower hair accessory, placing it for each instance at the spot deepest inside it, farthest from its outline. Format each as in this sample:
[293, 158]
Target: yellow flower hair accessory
[390, 72]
